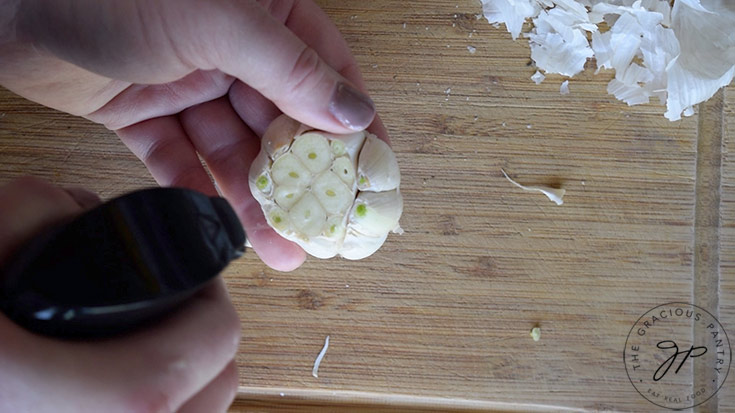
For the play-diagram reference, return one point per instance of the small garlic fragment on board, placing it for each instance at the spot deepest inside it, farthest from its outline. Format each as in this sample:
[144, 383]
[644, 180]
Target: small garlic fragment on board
[331, 194]
[554, 194]
[535, 333]
[319, 357]
[538, 77]
[564, 88]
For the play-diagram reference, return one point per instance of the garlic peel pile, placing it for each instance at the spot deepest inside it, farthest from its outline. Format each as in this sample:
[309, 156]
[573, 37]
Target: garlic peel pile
[681, 55]
[331, 194]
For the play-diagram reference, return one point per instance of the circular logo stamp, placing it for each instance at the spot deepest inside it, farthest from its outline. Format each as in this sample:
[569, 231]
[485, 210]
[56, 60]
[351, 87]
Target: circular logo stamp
[677, 355]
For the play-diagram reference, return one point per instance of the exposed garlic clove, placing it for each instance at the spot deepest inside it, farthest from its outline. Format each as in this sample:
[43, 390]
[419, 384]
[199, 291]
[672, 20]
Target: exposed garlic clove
[338, 148]
[287, 196]
[259, 173]
[313, 151]
[335, 228]
[329, 243]
[308, 215]
[289, 171]
[377, 167]
[277, 218]
[259, 167]
[345, 170]
[376, 213]
[332, 193]
[353, 143]
[263, 183]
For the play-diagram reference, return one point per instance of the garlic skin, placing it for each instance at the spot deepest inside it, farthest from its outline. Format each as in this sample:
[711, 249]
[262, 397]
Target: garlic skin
[330, 194]
[377, 168]
[680, 52]
[706, 62]
[705, 32]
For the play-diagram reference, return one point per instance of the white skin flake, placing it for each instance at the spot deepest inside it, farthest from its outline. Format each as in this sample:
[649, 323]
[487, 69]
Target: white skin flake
[682, 55]
[538, 77]
[554, 194]
[318, 361]
[564, 88]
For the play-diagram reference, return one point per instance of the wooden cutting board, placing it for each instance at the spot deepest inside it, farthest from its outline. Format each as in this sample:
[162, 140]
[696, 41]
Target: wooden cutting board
[439, 318]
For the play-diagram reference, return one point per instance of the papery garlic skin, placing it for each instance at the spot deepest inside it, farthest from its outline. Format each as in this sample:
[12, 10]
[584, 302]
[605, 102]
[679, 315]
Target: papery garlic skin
[706, 34]
[681, 55]
[331, 194]
[706, 62]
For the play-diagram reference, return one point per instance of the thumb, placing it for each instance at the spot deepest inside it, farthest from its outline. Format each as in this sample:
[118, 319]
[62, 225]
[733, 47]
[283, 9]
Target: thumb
[163, 40]
[254, 47]
[316, 95]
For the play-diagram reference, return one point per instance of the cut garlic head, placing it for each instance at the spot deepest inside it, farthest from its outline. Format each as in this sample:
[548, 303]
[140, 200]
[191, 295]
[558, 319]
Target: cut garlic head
[331, 194]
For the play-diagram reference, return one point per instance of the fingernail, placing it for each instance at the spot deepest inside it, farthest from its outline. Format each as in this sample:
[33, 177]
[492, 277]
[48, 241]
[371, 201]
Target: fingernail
[352, 108]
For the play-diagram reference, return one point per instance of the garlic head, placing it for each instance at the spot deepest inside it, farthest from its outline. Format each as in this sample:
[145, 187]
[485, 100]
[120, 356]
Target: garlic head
[331, 194]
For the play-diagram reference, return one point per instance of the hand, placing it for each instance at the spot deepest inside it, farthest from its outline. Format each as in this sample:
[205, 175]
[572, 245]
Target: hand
[179, 79]
[183, 363]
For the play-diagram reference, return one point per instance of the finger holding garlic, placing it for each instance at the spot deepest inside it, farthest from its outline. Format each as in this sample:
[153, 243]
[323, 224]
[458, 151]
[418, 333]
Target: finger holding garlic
[331, 194]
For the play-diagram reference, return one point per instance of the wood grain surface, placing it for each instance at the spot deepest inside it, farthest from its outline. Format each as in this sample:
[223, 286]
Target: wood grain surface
[439, 318]
[726, 294]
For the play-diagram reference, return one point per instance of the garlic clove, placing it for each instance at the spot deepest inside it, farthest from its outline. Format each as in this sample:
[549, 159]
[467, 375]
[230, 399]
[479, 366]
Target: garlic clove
[320, 247]
[313, 151]
[335, 228]
[353, 143]
[357, 246]
[279, 135]
[338, 148]
[260, 180]
[277, 218]
[329, 243]
[289, 171]
[308, 215]
[377, 167]
[332, 193]
[263, 183]
[345, 170]
[376, 213]
[287, 196]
